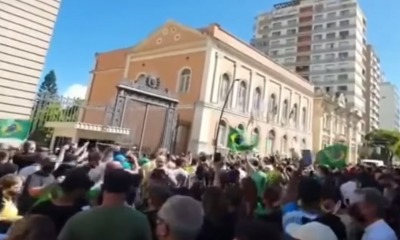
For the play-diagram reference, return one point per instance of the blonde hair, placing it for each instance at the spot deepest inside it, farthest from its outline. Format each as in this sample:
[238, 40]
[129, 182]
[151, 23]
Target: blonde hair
[33, 227]
[9, 180]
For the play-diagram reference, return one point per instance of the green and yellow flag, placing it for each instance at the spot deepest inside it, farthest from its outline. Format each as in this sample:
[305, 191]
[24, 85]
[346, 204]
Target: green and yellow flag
[333, 156]
[237, 141]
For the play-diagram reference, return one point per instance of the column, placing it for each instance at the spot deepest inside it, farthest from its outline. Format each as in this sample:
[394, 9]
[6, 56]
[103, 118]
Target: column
[233, 95]
[169, 127]
[249, 100]
[118, 111]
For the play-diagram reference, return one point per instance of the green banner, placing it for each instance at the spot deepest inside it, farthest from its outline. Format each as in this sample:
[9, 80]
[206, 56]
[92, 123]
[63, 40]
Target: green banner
[333, 156]
[237, 143]
[14, 129]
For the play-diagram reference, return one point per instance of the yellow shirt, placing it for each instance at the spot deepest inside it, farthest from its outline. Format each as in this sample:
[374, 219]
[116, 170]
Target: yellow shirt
[9, 211]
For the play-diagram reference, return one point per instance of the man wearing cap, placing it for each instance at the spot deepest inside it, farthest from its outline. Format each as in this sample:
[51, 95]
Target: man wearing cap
[369, 209]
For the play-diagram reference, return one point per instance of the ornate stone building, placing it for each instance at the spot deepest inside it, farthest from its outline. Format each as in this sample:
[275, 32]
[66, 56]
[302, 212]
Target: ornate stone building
[336, 122]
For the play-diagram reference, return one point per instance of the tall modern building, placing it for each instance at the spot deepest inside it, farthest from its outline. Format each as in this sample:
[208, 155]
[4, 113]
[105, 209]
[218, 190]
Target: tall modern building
[322, 40]
[389, 111]
[372, 89]
[26, 28]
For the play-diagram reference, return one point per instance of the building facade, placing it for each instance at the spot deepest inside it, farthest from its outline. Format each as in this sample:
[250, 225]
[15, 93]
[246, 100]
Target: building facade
[202, 66]
[372, 89]
[26, 28]
[322, 40]
[389, 111]
[335, 121]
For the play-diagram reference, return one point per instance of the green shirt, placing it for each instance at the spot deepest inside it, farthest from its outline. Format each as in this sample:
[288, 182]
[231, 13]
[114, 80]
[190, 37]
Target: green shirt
[260, 179]
[106, 223]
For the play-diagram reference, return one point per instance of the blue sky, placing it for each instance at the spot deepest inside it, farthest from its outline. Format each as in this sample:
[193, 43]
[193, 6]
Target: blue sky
[86, 27]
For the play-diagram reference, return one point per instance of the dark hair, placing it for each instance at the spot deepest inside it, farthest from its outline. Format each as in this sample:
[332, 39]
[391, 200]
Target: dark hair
[76, 179]
[309, 191]
[117, 181]
[3, 155]
[95, 156]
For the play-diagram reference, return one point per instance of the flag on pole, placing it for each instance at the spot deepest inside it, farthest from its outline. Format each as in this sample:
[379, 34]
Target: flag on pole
[237, 141]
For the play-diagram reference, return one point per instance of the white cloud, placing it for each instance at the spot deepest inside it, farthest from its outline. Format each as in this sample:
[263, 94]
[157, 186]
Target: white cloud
[76, 91]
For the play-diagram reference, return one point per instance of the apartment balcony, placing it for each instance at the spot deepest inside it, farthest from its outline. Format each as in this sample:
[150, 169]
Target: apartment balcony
[303, 61]
[336, 81]
[281, 27]
[332, 71]
[333, 8]
[330, 29]
[330, 19]
[334, 49]
[338, 38]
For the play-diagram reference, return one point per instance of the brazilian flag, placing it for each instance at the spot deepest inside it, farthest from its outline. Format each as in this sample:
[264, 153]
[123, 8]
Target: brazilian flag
[333, 156]
[237, 141]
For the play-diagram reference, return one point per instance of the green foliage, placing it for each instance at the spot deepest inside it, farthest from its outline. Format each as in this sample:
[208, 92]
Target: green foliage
[387, 141]
[49, 85]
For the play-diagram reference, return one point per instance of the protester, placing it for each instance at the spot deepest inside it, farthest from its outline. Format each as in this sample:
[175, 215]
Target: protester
[33, 227]
[113, 219]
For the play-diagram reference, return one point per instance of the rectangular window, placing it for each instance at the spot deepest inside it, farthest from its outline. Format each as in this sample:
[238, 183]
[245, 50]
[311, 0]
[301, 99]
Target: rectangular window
[318, 27]
[317, 47]
[330, 56]
[318, 37]
[343, 44]
[276, 34]
[274, 53]
[342, 77]
[330, 66]
[331, 25]
[291, 31]
[277, 24]
[291, 22]
[331, 15]
[329, 77]
[290, 40]
[342, 88]
[330, 35]
[316, 57]
[290, 50]
[344, 34]
[343, 55]
[344, 12]
[274, 43]
[344, 23]
[330, 46]
[289, 60]
[318, 17]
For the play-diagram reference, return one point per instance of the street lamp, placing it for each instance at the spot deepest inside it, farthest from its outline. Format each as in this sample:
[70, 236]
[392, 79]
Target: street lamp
[222, 113]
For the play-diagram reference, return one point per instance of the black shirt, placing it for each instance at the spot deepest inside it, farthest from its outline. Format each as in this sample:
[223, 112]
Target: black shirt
[59, 214]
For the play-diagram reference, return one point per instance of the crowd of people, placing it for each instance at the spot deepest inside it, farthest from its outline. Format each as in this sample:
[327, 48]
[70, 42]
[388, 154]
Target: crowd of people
[87, 193]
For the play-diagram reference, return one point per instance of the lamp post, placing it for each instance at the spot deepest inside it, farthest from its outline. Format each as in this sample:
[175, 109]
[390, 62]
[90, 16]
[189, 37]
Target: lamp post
[222, 113]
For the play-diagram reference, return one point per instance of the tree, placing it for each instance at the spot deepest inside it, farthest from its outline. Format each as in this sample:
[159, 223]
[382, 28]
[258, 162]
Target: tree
[386, 144]
[49, 85]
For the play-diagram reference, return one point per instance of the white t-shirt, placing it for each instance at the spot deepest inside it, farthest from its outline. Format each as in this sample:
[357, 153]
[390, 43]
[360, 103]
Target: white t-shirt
[379, 230]
[29, 170]
[179, 176]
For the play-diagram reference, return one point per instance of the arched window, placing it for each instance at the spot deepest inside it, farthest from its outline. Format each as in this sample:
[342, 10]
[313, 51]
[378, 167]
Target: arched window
[272, 104]
[285, 109]
[270, 142]
[223, 133]
[240, 126]
[241, 101]
[304, 118]
[224, 88]
[294, 143]
[284, 145]
[294, 112]
[255, 134]
[184, 80]
[257, 99]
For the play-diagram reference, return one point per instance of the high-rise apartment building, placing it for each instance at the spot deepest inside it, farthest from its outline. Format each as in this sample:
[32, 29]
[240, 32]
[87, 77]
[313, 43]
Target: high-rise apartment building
[26, 28]
[322, 40]
[389, 111]
[372, 89]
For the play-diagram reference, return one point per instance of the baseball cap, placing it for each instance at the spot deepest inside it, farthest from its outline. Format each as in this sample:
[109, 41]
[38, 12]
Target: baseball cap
[311, 231]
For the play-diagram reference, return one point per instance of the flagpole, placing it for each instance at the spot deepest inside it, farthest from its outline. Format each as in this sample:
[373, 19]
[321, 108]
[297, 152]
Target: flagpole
[222, 113]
